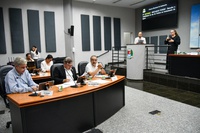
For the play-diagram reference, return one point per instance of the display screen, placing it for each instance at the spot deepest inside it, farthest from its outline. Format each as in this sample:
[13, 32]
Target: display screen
[161, 15]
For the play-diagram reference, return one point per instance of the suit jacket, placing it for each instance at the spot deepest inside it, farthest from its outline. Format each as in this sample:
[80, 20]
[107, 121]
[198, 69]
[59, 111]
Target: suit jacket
[59, 74]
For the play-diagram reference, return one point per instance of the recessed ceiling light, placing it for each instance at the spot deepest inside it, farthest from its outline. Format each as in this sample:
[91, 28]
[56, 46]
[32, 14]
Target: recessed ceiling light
[116, 1]
[137, 2]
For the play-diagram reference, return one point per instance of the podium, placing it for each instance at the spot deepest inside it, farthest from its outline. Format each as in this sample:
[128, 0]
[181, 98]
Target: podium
[135, 61]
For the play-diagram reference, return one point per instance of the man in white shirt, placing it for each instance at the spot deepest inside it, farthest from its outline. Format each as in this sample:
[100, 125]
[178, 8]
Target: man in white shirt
[140, 39]
[94, 67]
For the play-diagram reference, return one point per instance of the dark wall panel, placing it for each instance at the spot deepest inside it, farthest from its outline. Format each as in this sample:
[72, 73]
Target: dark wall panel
[97, 32]
[50, 37]
[147, 40]
[16, 29]
[85, 31]
[154, 40]
[117, 33]
[2, 34]
[34, 29]
[107, 33]
[161, 43]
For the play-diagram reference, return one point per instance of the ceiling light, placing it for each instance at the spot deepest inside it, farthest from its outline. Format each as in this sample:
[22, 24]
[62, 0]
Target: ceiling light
[116, 1]
[137, 2]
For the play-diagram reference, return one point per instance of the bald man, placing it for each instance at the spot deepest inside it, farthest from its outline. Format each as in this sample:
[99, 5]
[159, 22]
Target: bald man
[140, 39]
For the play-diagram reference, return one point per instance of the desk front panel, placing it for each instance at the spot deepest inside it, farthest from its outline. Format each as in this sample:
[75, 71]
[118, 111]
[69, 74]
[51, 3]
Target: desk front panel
[185, 65]
[72, 110]
[72, 115]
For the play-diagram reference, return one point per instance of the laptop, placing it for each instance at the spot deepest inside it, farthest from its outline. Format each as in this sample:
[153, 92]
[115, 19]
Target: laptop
[30, 64]
[46, 85]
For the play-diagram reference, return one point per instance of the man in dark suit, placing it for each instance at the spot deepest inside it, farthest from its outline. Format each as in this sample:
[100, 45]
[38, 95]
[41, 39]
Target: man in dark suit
[65, 72]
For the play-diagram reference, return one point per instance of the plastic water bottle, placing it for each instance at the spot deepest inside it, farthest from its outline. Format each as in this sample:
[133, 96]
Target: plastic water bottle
[60, 88]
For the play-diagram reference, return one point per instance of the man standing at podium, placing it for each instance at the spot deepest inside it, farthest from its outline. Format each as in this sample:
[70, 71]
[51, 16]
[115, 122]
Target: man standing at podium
[140, 39]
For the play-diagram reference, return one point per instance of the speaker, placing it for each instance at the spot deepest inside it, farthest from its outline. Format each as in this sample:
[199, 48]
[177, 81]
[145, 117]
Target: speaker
[72, 30]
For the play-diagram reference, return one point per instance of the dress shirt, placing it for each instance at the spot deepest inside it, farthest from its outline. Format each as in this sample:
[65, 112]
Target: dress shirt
[34, 55]
[69, 75]
[45, 67]
[16, 83]
[137, 40]
[90, 68]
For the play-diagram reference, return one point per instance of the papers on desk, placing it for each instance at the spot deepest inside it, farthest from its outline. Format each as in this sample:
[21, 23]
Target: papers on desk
[45, 92]
[97, 82]
[66, 84]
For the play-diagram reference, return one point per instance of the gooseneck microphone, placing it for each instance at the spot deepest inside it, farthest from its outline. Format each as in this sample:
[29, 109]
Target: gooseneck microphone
[34, 94]
[75, 85]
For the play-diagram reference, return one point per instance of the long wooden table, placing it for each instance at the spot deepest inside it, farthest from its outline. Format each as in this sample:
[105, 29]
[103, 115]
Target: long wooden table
[73, 110]
[184, 65]
[41, 76]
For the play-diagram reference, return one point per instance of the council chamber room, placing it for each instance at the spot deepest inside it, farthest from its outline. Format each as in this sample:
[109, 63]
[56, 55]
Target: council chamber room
[100, 66]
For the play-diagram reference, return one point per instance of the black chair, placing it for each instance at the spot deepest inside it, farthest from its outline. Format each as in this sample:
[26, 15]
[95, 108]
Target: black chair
[81, 67]
[58, 60]
[38, 63]
[53, 68]
[3, 71]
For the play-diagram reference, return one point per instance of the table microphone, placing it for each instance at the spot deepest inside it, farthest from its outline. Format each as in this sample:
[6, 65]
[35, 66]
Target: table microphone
[34, 94]
[75, 85]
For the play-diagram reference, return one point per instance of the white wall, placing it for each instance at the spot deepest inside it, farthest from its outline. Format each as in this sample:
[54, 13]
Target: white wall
[41, 5]
[184, 11]
[127, 25]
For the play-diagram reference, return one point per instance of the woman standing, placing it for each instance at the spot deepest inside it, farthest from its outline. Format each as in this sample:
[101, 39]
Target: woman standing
[173, 40]
[35, 53]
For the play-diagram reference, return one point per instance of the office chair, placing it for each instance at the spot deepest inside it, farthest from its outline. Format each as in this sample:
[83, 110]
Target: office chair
[3, 71]
[81, 67]
[38, 63]
[58, 60]
[53, 68]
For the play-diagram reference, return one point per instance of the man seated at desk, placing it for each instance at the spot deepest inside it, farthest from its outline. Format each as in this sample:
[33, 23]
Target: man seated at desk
[18, 80]
[94, 67]
[65, 72]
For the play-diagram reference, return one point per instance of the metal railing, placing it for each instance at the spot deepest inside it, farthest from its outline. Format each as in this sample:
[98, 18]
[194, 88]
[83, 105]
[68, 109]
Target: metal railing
[156, 57]
[102, 54]
[119, 55]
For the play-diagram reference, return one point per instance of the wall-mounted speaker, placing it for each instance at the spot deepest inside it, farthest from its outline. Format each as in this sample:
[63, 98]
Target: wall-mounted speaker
[71, 30]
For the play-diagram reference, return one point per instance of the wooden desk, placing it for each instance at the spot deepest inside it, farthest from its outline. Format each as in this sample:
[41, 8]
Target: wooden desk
[72, 110]
[184, 65]
[46, 75]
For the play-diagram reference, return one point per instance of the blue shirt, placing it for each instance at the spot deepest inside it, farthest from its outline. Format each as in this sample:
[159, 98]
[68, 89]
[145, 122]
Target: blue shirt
[16, 83]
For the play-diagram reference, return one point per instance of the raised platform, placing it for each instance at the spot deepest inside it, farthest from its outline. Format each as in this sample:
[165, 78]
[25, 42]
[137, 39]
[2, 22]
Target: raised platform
[180, 82]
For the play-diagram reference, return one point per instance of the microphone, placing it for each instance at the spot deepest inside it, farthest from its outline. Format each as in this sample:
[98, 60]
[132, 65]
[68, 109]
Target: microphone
[34, 94]
[75, 85]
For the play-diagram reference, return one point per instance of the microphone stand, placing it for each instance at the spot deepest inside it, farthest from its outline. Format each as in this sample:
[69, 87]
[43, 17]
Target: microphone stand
[34, 94]
[75, 85]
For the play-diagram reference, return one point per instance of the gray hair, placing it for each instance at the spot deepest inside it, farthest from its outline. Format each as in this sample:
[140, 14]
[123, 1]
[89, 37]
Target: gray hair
[19, 61]
[67, 60]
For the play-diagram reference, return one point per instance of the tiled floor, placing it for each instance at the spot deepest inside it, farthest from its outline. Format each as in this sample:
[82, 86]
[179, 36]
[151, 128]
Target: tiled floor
[183, 96]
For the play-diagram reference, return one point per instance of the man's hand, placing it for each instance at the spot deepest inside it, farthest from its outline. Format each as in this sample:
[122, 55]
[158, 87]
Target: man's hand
[35, 88]
[100, 66]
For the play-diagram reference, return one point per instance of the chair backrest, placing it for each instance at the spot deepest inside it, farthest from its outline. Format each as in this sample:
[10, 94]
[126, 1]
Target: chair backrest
[3, 71]
[39, 60]
[58, 60]
[81, 67]
[53, 68]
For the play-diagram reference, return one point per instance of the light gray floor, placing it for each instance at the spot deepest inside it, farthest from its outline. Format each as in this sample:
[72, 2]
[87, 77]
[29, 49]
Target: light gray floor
[175, 117]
